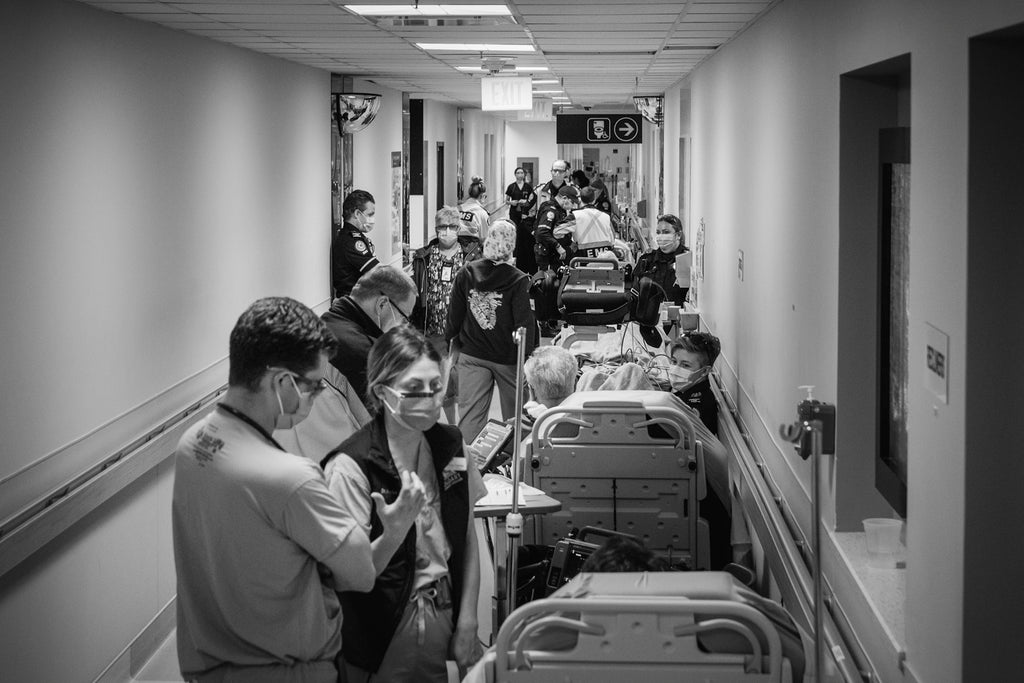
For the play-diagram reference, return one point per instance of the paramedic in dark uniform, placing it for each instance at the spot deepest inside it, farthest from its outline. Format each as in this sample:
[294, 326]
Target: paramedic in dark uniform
[603, 203]
[550, 252]
[659, 264]
[351, 250]
[559, 179]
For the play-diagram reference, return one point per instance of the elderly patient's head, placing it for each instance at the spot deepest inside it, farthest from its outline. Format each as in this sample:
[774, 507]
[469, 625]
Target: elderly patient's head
[551, 374]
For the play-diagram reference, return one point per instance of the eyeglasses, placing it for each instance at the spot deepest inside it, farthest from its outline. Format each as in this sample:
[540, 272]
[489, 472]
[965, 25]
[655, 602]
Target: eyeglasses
[446, 227]
[405, 316]
[559, 170]
[313, 386]
[414, 394]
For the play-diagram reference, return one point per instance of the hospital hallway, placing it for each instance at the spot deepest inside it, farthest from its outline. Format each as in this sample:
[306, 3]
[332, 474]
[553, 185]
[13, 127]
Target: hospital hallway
[780, 240]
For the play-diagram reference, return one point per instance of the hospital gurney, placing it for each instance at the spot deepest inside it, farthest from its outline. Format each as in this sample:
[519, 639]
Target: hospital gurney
[627, 461]
[651, 627]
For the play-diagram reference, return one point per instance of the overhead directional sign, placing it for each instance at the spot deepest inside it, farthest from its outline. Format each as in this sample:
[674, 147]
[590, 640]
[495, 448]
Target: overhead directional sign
[600, 129]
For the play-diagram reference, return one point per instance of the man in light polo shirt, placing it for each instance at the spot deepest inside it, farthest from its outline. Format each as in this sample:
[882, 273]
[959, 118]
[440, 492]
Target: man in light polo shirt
[260, 544]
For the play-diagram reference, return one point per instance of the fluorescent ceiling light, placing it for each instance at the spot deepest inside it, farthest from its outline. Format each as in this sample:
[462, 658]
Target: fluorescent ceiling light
[478, 69]
[476, 47]
[417, 10]
[545, 81]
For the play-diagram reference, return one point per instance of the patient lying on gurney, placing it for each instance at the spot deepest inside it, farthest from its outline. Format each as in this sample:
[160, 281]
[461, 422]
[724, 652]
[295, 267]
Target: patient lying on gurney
[621, 554]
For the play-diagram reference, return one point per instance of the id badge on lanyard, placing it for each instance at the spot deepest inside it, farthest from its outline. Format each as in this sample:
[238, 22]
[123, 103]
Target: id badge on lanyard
[446, 273]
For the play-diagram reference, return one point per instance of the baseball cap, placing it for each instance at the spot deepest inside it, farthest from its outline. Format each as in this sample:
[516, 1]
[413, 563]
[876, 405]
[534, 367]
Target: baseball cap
[568, 191]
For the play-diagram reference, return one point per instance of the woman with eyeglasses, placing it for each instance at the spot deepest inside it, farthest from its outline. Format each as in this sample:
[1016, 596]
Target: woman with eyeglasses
[422, 609]
[433, 270]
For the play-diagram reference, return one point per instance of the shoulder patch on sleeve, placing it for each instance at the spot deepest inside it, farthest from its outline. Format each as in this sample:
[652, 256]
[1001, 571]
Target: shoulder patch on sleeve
[467, 216]
[551, 215]
[361, 247]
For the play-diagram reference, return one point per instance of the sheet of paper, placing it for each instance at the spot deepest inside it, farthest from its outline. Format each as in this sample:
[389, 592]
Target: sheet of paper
[499, 491]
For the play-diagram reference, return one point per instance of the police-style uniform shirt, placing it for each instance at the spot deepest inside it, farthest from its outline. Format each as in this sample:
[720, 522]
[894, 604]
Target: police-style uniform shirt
[549, 215]
[351, 256]
[548, 191]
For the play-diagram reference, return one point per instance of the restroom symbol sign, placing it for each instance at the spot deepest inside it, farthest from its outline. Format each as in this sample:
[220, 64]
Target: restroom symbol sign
[598, 129]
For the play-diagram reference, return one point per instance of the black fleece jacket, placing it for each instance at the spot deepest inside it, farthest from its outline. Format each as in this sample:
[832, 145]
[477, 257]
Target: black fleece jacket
[489, 301]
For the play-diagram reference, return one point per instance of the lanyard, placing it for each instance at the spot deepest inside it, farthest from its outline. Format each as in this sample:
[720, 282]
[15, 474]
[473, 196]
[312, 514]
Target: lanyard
[251, 422]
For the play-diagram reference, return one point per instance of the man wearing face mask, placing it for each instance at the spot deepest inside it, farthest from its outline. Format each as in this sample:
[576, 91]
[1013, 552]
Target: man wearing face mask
[659, 264]
[382, 298]
[260, 544]
[351, 250]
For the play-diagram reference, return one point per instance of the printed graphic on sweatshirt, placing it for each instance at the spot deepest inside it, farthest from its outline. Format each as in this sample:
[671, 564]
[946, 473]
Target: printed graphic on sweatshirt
[484, 306]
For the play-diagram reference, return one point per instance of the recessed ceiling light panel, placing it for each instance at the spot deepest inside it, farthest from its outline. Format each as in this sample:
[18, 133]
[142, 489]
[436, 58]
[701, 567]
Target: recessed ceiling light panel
[476, 47]
[418, 10]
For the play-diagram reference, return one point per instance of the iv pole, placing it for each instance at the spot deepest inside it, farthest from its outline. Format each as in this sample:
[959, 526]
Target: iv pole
[807, 433]
[514, 519]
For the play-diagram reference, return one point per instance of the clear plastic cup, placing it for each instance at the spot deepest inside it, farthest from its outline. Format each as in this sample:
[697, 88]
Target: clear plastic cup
[883, 540]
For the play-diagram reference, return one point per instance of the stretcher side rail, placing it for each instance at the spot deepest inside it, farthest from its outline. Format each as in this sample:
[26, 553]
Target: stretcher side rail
[630, 629]
[596, 404]
[623, 460]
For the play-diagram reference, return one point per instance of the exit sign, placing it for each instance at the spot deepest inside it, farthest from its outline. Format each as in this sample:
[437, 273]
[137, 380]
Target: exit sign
[506, 93]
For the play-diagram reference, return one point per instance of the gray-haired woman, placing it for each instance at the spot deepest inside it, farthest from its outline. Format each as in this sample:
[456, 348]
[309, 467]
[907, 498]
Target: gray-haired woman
[490, 299]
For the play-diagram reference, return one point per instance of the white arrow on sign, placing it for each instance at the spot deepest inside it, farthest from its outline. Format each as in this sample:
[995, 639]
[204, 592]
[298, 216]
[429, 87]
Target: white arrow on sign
[625, 129]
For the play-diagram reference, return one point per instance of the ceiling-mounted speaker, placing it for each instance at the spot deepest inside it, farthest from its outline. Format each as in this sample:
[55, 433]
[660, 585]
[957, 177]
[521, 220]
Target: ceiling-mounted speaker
[354, 111]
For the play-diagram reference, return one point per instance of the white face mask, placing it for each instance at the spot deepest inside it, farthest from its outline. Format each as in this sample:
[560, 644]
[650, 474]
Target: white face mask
[368, 221]
[447, 238]
[683, 378]
[289, 420]
[418, 413]
[664, 241]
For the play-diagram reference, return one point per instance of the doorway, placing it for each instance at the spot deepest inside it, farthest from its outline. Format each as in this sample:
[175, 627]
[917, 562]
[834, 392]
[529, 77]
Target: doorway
[440, 176]
[528, 164]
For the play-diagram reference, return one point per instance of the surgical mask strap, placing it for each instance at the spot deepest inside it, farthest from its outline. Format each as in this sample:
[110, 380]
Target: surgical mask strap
[280, 404]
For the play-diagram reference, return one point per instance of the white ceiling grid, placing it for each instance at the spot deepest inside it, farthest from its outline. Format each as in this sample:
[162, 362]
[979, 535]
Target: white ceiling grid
[602, 51]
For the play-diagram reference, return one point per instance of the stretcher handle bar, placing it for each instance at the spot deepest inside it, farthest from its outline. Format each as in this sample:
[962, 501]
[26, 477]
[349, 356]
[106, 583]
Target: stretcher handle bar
[681, 441]
[633, 604]
[575, 414]
[539, 624]
[583, 261]
[756, 662]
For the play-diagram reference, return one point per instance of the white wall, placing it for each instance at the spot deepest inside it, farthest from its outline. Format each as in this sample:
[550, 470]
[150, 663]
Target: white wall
[765, 125]
[152, 185]
[477, 125]
[371, 155]
[529, 139]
